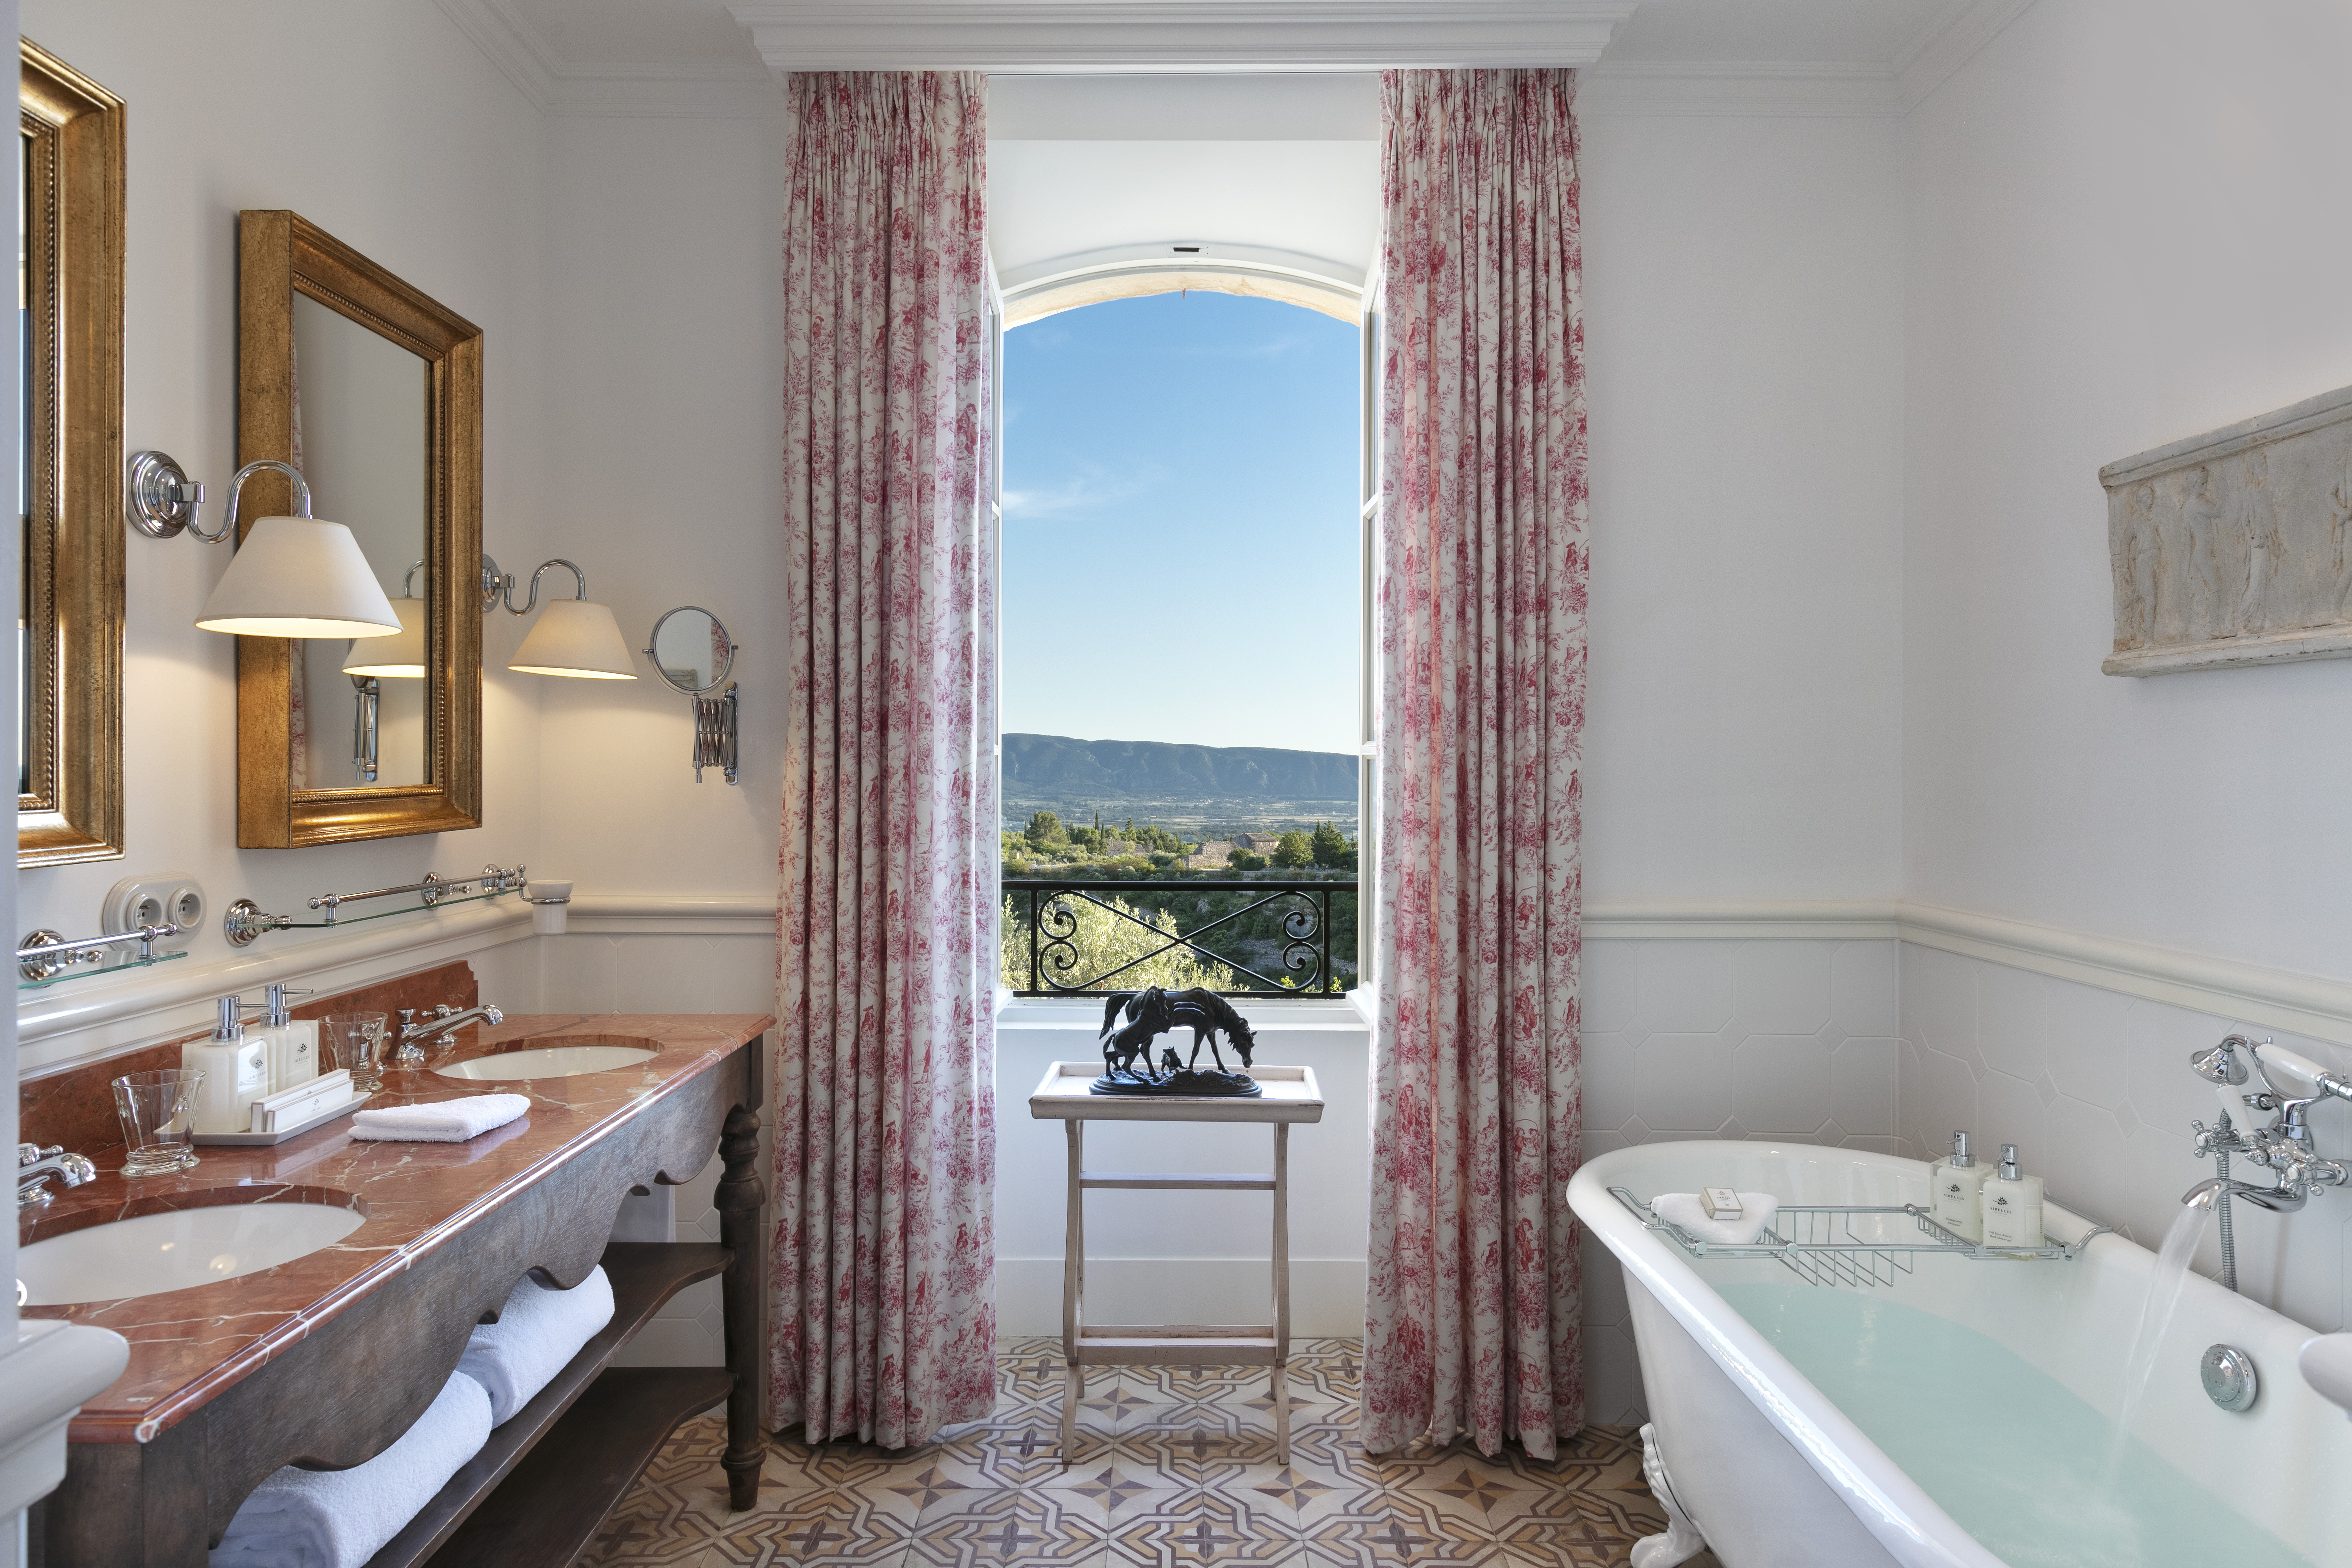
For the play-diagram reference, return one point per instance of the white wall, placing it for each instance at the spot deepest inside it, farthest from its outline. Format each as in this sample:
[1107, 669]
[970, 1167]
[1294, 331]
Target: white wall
[379, 122]
[1743, 309]
[2125, 227]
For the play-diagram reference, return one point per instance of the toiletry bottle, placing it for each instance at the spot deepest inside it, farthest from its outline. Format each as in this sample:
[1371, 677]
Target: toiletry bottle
[236, 1069]
[293, 1046]
[2012, 1205]
[1955, 1204]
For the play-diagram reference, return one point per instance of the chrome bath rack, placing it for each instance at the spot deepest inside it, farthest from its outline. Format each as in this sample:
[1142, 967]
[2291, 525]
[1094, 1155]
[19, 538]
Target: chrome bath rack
[1849, 1244]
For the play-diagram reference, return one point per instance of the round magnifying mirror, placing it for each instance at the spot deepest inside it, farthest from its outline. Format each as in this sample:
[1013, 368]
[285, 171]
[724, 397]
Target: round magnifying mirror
[691, 651]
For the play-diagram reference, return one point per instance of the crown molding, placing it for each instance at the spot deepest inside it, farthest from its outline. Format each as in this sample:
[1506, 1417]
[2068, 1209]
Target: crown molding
[1946, 44]
[1113, 36]
[556, 88]
[1796, 89]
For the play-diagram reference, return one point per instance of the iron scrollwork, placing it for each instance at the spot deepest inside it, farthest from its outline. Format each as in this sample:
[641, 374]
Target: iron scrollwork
[1306, 928]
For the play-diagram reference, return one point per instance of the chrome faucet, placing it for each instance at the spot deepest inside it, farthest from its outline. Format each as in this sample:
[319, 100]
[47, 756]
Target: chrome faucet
[444, 1022]
[36, 1165]
[2283, 1147]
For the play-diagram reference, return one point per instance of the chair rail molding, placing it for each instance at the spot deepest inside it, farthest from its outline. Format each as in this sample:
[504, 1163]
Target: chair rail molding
[1113, 36]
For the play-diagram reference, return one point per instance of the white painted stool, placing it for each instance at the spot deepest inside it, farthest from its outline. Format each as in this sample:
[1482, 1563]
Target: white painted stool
[1291, 1095]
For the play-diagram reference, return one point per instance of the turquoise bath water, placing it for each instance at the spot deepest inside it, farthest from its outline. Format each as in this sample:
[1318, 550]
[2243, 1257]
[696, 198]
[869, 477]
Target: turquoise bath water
[2012, 1454]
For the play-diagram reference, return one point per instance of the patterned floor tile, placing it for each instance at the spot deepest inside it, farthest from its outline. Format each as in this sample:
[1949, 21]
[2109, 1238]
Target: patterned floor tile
[1028, 1526]
[1176, 1468]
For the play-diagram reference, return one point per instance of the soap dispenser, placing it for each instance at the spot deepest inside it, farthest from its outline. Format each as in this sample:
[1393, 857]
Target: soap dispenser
[236, 1069]
[2012, 1205]
[292, 1044]
[1957, 1186]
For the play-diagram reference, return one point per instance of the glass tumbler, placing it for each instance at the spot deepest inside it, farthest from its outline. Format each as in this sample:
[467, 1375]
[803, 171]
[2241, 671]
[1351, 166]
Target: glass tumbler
[357, 1040]
[157, 1111]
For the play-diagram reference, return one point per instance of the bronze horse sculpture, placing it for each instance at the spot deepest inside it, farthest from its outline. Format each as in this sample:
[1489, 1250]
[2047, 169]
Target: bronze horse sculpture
[1132, 1021]
[1207, 1013]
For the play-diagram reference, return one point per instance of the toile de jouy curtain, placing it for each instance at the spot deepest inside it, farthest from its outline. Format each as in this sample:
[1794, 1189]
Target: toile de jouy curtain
[883, 1259]
[1472, 1323]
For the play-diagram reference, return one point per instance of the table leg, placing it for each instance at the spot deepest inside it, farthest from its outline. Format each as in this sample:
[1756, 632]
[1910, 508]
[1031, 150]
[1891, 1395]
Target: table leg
[1281, 1381]
[1073, 1277]
[737, 1199]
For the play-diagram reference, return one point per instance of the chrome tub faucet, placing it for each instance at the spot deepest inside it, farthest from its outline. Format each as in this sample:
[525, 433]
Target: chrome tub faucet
[36, 1165]
[442, 1025]
[2283, 1147]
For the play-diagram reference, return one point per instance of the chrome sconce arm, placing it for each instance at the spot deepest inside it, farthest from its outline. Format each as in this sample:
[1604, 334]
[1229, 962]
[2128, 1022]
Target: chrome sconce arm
[160, 500]
[498, 587]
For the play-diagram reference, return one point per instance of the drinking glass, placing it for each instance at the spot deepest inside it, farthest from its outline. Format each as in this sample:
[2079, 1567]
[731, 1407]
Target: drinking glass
[157, 1111]
[357, 1040]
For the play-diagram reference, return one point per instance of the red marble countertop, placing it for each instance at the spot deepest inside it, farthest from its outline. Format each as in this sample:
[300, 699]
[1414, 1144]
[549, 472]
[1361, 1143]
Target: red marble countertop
[187, 1346]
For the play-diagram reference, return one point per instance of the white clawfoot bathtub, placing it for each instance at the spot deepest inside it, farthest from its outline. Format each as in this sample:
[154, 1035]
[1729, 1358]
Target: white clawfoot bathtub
[1775, 1474]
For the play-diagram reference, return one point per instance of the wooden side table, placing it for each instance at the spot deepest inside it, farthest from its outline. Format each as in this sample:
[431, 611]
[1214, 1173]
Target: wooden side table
[1290, 1096]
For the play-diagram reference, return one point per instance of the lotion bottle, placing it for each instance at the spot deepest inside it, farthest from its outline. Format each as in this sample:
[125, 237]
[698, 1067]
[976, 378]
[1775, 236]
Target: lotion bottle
[2012, 1205]
[236, 1069]
[1957, 1194]
[293, 1046]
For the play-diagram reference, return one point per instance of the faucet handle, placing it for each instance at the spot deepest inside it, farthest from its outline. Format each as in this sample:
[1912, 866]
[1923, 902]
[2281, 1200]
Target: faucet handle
[33, 1153]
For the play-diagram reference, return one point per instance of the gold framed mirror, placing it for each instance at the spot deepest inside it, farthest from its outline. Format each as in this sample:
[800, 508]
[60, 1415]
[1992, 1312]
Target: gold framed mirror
[69, 605]
[373, 391]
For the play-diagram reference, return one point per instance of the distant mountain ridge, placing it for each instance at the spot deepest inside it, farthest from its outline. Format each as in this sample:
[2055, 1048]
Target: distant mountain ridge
[1052, 766]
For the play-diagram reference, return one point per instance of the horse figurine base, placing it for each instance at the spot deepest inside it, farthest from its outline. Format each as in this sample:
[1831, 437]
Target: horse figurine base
[1197, 1084]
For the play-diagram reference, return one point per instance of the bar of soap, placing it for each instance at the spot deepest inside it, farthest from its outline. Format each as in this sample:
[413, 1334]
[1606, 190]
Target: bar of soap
[1720, 1203]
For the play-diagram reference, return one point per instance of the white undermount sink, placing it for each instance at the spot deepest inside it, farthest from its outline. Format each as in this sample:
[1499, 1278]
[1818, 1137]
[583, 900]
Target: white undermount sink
[150, 1253]
[547, 1061]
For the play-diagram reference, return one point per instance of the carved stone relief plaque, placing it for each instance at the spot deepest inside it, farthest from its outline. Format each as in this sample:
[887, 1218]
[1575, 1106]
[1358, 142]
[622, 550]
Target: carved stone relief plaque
[2235, 547]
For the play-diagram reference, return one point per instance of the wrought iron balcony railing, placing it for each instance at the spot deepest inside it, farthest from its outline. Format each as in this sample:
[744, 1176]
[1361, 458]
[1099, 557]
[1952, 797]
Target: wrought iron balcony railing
[1054, 962]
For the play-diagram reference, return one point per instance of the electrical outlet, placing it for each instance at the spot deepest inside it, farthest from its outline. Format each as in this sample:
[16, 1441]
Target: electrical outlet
[164, 899]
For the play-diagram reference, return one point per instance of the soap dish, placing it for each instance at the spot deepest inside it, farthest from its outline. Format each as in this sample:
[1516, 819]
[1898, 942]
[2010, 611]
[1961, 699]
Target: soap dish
[250, 1140]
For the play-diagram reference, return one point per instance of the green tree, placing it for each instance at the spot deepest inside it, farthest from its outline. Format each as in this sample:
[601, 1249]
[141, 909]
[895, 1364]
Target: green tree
[1105, 940]
[1293, 849]
[1242, 861]
[1045, 828]
[1333, 849]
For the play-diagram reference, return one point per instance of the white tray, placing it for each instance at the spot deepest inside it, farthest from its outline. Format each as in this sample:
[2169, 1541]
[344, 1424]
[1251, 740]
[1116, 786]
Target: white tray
[254, 1138]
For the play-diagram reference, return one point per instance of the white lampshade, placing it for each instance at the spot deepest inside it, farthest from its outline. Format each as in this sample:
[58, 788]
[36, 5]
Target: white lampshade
[576, 636]
[299, 577]
[400, 656]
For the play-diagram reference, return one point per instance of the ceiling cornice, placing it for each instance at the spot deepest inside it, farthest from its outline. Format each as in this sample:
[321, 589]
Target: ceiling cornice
[1946, 44]
[1113, 36]
[553, 87]
[1832, 90]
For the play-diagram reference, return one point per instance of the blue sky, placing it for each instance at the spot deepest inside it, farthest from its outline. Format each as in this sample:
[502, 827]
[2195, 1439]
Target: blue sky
[1180, 539]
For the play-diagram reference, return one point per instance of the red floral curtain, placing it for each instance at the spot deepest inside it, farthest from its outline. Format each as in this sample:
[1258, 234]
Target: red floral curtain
[884, 1318]
[1471, 1325]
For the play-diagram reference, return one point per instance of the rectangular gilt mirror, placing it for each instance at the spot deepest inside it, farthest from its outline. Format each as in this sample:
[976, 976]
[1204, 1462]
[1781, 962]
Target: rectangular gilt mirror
[69, 222]
[373, 391]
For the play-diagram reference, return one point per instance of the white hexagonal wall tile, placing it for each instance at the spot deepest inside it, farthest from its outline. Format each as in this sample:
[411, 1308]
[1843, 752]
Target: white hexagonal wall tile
[2157, 1079]
[1595, 1144]
[1682, 1083]
[1780, 987]
[1611, 989]
[1950, 1102]
[1780, 1083]
[2008, 1111]
[2013, 1020]
[1607, 1070]
[2090, 1042]
[1939, 1001]
[1685, 986]
[1863, 1085]
[2086, 1158]
[1861, 989]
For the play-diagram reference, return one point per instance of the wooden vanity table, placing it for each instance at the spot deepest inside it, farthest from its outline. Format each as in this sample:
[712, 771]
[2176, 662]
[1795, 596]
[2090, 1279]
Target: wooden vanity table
[327, 1359]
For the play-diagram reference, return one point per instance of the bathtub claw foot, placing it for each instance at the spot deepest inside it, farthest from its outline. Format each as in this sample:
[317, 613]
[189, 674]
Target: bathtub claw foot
[1680, 1541]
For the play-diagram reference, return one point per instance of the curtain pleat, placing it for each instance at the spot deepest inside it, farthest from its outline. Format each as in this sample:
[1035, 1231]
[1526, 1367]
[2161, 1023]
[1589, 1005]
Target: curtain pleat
[884, 1318]
[1472, 1324]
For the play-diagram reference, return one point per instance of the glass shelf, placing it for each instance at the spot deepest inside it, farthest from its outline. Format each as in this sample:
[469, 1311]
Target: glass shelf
[83, 972]
[340, 923]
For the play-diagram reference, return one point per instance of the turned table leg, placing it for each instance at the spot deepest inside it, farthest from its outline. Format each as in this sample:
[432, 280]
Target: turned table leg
[739, 1199]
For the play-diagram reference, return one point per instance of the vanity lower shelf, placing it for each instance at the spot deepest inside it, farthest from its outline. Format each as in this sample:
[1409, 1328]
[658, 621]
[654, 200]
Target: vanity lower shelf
[541, 1487]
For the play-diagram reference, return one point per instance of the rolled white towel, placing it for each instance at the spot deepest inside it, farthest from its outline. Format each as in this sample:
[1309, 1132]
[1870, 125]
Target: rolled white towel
[1756, 1212]
[443, 1122]
[538, 1330]
[340, 1519]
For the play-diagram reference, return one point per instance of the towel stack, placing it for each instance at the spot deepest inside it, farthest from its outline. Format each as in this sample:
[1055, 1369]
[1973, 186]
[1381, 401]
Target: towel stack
[340, 1519]
[538, 1330]
[443, 1122]
[1756, 1212]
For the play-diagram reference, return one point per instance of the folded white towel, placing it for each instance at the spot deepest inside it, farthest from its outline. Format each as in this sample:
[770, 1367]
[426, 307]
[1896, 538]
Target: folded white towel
[443, 1122]
[1756, 1212]
[340, 1519]
[538, 1330]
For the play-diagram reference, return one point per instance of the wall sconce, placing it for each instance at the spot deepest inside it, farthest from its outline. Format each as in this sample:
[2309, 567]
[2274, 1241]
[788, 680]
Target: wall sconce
[574, 637]
[370, 662]
[291, 577]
